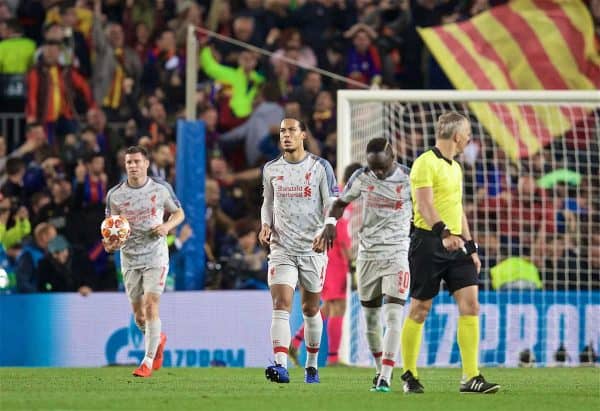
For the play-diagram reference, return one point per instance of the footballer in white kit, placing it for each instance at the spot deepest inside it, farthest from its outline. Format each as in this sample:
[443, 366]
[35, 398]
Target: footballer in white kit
[297, 188]
[382, 263]
[143, 200]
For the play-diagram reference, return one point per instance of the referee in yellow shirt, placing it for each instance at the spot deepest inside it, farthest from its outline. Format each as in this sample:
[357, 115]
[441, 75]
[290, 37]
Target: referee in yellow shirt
[442, 248]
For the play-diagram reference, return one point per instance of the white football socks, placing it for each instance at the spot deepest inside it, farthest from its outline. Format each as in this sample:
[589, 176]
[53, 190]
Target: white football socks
[374, 332]
[313, 329]
[281, 336]
[153, 329]
[391, 340]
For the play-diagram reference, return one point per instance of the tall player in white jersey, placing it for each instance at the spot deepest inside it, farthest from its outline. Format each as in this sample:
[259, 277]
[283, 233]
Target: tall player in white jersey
[382, 263]
[144, 255]
[297, 188]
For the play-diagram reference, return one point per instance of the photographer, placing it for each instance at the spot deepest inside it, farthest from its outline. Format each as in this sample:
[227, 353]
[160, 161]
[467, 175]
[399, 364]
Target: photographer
[243, 263]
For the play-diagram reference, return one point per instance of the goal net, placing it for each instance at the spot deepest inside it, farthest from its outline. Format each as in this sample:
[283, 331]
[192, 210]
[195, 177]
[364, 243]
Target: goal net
[531, 194]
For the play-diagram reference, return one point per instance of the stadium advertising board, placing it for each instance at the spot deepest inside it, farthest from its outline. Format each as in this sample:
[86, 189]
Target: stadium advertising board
[231, 328]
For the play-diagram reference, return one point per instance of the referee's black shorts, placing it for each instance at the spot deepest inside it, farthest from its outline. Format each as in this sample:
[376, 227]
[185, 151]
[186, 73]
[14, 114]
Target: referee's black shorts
[430, 262]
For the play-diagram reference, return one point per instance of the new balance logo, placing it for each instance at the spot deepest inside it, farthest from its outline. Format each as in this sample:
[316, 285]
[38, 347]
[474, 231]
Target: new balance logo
[307, 191]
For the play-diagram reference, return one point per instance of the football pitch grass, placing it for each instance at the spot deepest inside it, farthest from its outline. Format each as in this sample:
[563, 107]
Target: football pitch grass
[342, 388]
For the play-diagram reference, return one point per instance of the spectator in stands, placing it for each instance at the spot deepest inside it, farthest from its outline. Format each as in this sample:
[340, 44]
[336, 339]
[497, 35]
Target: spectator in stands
[87, 209]
[30, 256]
[291, 39]
[164, 68]
[161, 161]
[106, 139]
[3, 159]
[306, 94]
[77, 48]
[58, 211]
[159, 129]
[323, 120]
[243, 30]
[329, 16]
[188, 13]
[218, 224]
[13, 188]
[266, 115]
[141, 20]
[233, 197]
[178, 246]
[246, 267]
[16, 50]
[210, 117]
[114, 63]
[52, 93]
[39, 200]
[363, 62]
[65, 268]
[333, 61]
[525, 210]
[90, 186]
[21, 227]
[243, 80]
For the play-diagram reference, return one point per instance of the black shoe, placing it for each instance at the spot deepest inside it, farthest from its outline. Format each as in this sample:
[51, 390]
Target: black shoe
[277, 373]
[383, 386]
[478, 385]
[411, 384]
[375, 379]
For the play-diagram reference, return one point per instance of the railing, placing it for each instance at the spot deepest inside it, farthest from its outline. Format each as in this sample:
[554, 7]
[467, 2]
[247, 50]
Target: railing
[12, 127]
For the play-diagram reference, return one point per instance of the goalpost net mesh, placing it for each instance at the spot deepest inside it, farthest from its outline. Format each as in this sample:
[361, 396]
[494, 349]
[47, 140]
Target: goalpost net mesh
[532, 207]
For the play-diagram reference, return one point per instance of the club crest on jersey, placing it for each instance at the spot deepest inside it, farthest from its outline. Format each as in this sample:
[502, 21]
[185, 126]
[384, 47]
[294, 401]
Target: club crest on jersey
[279, 178]
[399, 188]
[370, 188]
[307, 177]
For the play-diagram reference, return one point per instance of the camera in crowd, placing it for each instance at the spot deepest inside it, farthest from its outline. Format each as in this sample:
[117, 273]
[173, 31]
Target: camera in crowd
[230, 273]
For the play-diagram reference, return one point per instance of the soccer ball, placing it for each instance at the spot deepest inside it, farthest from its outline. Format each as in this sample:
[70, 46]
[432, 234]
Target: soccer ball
[115, 227]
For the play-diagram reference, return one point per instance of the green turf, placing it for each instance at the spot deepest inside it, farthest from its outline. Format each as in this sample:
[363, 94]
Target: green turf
[173, 389]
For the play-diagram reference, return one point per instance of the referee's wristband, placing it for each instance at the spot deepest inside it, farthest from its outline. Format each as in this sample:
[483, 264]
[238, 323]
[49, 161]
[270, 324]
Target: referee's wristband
[471, 247]
[440, 229]
[331, 221]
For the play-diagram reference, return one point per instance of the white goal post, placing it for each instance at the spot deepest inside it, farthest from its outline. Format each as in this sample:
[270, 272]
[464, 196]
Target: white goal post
[532, 195]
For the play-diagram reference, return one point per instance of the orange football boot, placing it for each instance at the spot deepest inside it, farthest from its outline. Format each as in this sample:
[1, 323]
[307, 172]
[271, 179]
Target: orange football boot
[142, 371]
[158, 357]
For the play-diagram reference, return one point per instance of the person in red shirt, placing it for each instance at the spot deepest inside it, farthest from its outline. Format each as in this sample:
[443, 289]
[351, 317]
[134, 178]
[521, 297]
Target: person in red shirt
[52, 90]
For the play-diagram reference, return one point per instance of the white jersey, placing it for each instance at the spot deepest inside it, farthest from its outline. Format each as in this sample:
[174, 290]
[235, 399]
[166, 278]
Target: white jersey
[296, 196]
[144, 208]
[386, 212]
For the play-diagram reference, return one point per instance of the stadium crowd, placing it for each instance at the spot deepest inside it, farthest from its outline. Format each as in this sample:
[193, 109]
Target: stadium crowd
[94, 77]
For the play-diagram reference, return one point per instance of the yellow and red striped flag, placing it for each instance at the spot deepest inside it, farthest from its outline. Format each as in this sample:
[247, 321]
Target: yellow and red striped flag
[523, 45]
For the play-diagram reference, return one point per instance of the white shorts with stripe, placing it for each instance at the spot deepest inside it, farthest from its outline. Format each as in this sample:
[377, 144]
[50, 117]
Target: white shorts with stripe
[139, 281]
[389, 277]
[308, 271]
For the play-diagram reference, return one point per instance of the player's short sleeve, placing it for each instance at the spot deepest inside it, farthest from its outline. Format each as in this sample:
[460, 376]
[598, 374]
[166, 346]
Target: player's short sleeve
[110, 207]
[421, 173]
[353, 187]
[332, 186]
[171, 203]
